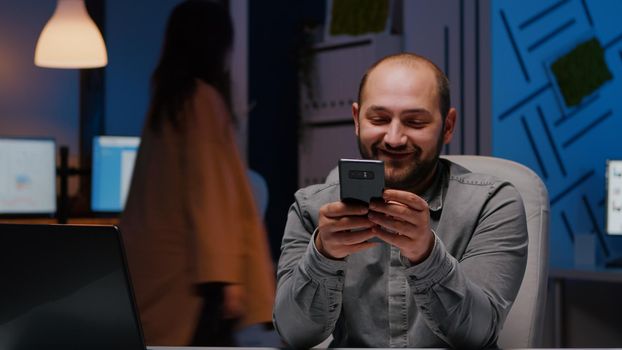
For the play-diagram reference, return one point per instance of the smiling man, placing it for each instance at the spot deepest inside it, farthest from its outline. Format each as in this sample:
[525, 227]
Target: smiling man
[453, 244]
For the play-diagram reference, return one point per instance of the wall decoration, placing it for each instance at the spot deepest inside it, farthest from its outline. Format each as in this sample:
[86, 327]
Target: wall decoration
[356, 19]
[558, 92]
[580, 72]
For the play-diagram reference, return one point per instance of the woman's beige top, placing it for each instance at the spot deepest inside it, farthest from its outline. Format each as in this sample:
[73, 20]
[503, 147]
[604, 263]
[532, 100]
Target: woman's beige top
[190, 218]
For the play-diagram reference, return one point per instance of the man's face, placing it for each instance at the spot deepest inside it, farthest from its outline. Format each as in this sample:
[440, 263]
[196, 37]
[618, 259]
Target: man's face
[400, 123]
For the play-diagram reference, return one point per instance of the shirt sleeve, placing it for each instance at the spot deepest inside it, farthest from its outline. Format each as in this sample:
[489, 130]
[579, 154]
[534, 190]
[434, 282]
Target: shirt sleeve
[309, 286]
[465, 302]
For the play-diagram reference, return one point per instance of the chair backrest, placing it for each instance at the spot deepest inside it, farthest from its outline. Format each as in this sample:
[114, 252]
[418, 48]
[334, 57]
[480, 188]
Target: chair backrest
[259, 186]
[523, 326]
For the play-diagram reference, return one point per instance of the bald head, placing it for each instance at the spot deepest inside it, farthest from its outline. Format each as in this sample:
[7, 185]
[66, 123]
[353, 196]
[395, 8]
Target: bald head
[414, 61]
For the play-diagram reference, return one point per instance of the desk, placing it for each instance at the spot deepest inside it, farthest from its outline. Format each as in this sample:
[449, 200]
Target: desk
[52, 221]
[202, 348]
[560, 275]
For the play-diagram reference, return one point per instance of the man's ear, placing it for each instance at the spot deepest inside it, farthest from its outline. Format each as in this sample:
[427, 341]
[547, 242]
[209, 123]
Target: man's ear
[450, 123]
[355, 115]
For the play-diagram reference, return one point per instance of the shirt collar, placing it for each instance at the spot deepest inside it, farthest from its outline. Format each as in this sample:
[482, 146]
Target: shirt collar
[435, 193]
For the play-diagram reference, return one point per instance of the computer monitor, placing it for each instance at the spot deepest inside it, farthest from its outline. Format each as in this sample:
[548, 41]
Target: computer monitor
[113, 164]
[27, 176]
[613, 213]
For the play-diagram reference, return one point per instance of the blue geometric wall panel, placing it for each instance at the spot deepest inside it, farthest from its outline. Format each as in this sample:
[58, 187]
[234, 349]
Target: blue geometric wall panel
[567, 145]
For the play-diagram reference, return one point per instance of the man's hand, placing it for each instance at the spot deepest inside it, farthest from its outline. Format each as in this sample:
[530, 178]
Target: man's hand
[406, 217]
[343, 229]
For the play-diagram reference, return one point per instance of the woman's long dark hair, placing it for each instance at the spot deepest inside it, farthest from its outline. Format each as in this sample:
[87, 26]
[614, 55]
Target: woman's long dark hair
[198, 38]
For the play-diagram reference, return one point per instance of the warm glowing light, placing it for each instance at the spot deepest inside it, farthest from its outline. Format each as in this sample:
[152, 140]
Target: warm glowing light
[70, 39]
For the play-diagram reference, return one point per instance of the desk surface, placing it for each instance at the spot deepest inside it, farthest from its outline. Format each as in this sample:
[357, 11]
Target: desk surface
[200, 348]
[76, 221]
[253, 348]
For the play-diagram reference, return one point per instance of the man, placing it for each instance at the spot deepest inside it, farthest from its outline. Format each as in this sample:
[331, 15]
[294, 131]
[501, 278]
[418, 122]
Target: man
[452, 245]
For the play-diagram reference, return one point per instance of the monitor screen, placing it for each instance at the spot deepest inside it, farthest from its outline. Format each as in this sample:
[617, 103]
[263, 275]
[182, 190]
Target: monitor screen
[27, 176]
[614, 197]
[113, 164]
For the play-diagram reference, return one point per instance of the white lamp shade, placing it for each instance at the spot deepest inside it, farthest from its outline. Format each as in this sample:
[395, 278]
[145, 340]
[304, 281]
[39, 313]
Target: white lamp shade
[70, 39]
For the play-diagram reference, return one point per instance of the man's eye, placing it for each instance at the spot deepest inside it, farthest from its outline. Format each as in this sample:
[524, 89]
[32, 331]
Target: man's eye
[415, 123]
[378, 120]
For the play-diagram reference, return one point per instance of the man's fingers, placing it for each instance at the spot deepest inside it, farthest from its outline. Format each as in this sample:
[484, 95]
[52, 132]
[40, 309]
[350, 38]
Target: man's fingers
[342, 227]
[390, 223]
[337, 245]
[407, 198]
[355, 237]
[396, 210]
[339, 209]
[391, 238]
[346, 223]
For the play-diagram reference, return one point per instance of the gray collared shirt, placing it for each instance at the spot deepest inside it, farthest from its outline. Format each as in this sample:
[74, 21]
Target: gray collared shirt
[458, 297]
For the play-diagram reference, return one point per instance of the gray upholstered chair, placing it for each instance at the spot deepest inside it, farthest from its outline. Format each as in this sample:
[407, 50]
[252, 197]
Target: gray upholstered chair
[524, 323]
[523, 326]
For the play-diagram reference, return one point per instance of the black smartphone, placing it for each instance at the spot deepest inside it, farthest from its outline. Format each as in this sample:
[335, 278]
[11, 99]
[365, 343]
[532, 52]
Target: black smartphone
[360, 179]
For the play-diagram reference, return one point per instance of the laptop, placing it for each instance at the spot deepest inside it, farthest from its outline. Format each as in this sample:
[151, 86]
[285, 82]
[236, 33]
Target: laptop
[65, 287]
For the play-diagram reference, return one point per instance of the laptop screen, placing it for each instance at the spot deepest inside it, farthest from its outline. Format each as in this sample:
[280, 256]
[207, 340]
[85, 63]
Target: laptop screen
[65, 287]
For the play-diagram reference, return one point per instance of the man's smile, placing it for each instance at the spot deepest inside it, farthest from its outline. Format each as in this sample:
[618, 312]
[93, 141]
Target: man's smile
[394, 155]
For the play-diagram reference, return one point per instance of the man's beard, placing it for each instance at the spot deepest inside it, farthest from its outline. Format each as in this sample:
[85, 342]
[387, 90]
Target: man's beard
[399, 175]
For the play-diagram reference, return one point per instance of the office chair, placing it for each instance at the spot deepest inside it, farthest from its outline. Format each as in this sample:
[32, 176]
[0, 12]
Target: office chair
[523, 325]
[258, 335]
[259, 186]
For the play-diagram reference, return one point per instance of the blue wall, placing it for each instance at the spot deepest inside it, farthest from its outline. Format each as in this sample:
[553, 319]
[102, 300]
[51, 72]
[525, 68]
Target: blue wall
[44, 102]
[566, 146]
[34, 101]
[134, 34]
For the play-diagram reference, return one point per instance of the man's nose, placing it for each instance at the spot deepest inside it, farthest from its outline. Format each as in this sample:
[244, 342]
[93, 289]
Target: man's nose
[395, 135]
